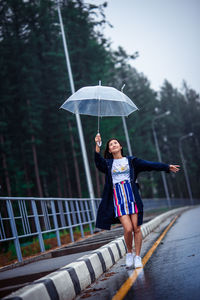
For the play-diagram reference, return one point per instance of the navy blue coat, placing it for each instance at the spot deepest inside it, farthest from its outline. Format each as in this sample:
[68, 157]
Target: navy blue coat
[105, 214]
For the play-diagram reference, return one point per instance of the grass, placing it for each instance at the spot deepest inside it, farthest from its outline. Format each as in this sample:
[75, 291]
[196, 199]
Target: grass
[31, 246]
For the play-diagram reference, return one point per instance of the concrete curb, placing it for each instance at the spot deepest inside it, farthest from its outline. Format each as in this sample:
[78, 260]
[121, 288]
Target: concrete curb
[67, 282]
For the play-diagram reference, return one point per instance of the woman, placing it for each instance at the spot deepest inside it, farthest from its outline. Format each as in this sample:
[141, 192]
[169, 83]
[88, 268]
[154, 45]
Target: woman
[121, 200]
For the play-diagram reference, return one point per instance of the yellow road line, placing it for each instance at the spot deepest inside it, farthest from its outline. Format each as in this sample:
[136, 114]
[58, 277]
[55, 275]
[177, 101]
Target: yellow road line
[121, 293]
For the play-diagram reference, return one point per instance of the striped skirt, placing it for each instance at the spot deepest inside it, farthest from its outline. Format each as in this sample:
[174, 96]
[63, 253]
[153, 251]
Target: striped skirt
[124, 202]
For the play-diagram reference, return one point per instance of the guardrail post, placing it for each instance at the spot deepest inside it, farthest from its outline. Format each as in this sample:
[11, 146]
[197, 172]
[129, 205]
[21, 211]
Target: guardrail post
[55, 222]
[62, 218]
[88, 216]
[74, 218]
[69, 221]
[79, 218]
[37, 224]
[14, 230]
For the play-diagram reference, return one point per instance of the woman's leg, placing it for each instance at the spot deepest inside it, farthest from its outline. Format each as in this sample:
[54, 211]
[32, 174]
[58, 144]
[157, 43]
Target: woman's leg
[137, 234]
[128, 231]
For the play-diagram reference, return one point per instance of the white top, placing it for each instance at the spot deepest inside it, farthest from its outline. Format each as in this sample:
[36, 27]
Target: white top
[120, 170]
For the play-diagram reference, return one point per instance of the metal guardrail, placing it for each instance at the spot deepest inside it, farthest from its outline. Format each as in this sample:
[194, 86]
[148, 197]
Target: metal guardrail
[156, 203]
[22, 217]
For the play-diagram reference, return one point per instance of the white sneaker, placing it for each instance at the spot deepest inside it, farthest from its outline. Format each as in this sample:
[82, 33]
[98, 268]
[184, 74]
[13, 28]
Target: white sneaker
[129, 259]
[138, 262]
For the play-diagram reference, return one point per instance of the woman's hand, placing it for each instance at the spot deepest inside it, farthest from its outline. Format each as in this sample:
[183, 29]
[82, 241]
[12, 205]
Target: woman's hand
[174, 168]
[97, 140]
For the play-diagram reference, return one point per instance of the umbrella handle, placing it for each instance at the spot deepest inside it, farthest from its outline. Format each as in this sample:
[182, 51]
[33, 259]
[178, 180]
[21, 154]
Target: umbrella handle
[99, 143]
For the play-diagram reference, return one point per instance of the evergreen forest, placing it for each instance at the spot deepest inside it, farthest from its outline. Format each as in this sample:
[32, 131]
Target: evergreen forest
[40, 152]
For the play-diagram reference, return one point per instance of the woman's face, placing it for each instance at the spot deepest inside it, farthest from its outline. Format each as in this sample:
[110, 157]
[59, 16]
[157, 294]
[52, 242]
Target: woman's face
[114, 146]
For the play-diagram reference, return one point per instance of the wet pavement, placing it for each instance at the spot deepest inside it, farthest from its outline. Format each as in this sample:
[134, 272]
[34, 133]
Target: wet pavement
[172, 272]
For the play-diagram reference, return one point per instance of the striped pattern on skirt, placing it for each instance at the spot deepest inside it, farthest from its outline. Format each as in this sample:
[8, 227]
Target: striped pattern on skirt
[124, 201]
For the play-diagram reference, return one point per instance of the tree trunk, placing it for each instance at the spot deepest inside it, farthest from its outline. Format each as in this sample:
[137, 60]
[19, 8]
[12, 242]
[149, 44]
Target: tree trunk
[68, 191]
[64, 186]
[8, 186]
[179, 190]
[171, 189]
[153, 187]
[39, 186]
[45, 187]
[27, 180]
[75, 161]
[5, 167]
[68, 181]
[58, 183]
[34, 152]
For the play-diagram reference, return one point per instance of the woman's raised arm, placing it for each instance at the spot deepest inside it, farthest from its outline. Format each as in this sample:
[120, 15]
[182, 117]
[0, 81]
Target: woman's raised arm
[97, 140]
[100, 162]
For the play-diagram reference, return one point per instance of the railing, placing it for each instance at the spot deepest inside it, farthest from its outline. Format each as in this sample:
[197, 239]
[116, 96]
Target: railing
[22, 217]
[156, 203]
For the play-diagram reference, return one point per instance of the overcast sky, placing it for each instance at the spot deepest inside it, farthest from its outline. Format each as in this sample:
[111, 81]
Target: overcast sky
[166, 33]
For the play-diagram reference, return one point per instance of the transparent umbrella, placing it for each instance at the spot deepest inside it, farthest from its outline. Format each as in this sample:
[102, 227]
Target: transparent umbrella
[100, 101]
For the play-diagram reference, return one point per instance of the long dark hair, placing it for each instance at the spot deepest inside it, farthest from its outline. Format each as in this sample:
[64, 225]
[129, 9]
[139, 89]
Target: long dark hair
[107, 154]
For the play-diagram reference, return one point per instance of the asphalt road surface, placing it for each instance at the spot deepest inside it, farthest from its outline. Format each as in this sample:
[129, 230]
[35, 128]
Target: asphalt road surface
[172, 272]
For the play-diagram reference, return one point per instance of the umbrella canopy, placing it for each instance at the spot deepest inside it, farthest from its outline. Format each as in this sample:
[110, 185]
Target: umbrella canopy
[99, 101]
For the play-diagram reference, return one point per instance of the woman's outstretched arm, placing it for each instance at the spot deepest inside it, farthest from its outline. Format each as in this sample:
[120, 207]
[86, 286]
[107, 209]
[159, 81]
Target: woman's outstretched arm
[144, 165]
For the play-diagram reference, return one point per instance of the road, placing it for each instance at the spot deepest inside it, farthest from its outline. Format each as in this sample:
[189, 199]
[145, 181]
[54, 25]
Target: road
[172, 272]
